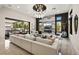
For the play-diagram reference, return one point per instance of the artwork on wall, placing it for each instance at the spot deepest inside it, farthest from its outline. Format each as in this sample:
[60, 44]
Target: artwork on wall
[70, 24]
[21, 26]
[76, 23]
[70, 20]
[58, 24]
[59, 27]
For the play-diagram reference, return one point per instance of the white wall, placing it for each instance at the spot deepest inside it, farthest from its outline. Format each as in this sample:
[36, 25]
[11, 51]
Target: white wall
[6, 12]
[75, 37]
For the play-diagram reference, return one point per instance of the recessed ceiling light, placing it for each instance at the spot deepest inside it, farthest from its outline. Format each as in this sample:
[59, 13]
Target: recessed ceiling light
[58, 11]
[53, 8]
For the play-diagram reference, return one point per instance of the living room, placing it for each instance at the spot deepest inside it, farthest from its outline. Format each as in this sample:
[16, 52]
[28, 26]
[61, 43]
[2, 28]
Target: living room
[39, 29]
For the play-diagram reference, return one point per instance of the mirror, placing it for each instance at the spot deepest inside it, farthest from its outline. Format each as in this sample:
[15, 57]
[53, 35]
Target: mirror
[76, 23]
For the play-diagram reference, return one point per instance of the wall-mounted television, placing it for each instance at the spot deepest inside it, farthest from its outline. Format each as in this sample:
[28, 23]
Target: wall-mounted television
[48, 27]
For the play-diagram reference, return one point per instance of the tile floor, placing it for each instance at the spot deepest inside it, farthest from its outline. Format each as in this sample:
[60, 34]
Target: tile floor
[11, 49]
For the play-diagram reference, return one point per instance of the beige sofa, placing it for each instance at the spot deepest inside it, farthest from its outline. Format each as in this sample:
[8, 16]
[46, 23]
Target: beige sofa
[35, 47]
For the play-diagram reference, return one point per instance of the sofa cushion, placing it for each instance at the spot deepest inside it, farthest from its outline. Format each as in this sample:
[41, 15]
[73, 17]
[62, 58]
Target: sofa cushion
[29, 36]
[32, 37]
[46, 41]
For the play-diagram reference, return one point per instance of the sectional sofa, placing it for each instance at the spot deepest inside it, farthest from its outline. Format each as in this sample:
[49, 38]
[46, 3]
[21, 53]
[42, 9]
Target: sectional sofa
[35, 45]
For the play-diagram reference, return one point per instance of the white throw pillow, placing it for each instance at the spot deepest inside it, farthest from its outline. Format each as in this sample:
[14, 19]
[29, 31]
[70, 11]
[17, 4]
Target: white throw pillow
[29, 36]
[32, 37]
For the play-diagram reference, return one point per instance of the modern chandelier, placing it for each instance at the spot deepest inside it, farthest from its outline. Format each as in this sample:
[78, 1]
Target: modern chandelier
[39, 10]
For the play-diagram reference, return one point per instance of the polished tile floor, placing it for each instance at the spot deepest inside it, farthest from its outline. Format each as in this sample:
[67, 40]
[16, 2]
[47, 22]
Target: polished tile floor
[11, 49]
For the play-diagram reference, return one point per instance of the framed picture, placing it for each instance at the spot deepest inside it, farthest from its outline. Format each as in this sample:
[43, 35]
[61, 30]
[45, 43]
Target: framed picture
[70, 24]
[76, 23]
[58, 24]
[70, 20]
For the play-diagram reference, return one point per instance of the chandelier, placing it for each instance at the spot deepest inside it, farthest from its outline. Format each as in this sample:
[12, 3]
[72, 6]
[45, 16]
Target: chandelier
[39, 10]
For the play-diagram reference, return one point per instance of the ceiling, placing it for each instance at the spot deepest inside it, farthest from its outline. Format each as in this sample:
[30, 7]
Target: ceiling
[28, 8]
